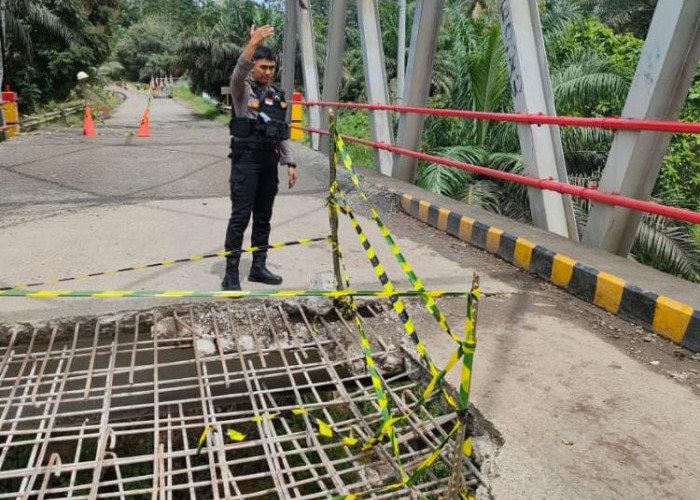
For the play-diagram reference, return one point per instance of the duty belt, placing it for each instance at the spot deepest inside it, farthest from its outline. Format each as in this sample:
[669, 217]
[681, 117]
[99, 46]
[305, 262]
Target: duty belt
[255, 145]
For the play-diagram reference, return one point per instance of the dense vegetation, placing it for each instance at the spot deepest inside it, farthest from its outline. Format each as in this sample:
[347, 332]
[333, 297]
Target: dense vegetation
[593, 47]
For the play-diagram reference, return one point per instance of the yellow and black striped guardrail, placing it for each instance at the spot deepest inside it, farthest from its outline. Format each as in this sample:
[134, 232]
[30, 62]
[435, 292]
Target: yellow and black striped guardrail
[669, 318]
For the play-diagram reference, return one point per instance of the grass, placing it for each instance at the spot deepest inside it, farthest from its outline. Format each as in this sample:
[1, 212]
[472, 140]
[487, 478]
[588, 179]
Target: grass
[355, 122]
[199, 104]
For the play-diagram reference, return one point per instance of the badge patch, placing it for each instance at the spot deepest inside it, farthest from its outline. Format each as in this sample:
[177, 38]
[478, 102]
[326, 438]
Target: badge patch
[254, 104]
[269, 101]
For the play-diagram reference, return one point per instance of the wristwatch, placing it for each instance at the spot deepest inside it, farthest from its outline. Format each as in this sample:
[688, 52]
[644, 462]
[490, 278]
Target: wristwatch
[293, 165]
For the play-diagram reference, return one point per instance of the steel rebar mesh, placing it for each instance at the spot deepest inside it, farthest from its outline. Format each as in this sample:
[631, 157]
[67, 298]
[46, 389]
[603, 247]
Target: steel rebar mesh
[114, 407]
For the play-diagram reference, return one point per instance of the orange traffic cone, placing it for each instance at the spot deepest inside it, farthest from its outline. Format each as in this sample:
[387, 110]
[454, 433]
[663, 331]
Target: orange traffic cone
[144, 129]
[88, 125]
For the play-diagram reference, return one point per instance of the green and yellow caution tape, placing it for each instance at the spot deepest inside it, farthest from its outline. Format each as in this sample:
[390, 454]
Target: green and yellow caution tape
[323, 428]
[387, 427]
[224, 294]
[396, 251]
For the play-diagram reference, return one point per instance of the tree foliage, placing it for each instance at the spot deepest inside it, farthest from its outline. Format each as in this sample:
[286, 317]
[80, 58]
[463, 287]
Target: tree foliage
[49, 41]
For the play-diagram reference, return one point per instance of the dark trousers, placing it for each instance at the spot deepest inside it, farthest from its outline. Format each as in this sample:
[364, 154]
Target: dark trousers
[253, 183]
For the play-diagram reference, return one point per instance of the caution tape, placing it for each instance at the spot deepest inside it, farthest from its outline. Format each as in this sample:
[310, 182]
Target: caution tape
[388, 286]
[230, 294]
[387, 427]
[323, 428]
[464, 352]
[438, 375]
[395, 249]
[432, 307]
[169, 262]
[409, 481]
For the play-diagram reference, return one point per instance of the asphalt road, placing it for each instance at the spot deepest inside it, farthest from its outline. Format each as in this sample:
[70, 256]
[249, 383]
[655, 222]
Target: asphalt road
[583, 411]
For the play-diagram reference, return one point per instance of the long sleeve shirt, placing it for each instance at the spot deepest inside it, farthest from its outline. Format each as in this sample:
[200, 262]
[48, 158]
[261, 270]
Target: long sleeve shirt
[241, 95]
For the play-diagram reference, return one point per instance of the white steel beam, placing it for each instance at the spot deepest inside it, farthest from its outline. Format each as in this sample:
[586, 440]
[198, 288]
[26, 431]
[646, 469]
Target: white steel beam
[531, 86]
[401, 53]
[659, 90]
[375, 81]
[289, 55]
[426, 26]
[333, 71]
[2, 62]
[308, 60]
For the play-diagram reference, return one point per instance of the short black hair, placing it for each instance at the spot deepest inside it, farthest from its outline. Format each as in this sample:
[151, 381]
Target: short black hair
[263, 52]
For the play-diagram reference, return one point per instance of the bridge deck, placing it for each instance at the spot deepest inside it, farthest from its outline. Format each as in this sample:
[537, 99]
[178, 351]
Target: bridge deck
[588, 405]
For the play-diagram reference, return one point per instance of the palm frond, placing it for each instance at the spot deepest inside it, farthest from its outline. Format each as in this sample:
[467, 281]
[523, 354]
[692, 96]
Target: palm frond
[668, 246]
[442, 180]
[485, 194]
[584, 80]
[43, 18]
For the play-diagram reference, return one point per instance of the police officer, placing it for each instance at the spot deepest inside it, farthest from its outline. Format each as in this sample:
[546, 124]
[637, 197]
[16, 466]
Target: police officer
[258, 144]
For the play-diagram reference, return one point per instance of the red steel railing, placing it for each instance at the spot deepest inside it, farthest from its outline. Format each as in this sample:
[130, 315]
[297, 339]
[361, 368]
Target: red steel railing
[592, 194]
[532, 119]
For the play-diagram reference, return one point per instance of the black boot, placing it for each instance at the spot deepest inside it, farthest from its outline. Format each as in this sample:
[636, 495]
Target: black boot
[231, 280]
[261, 274]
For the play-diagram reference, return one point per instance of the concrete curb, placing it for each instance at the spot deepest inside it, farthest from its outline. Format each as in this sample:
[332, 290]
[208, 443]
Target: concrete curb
[669, 318]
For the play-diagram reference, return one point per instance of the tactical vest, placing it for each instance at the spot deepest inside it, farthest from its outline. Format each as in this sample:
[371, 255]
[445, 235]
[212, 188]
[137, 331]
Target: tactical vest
[271, 120]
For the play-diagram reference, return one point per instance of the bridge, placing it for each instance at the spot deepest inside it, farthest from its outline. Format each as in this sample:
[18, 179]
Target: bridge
[586, 375]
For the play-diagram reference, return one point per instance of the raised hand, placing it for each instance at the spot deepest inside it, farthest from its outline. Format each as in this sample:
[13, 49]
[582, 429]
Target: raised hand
[259, 35]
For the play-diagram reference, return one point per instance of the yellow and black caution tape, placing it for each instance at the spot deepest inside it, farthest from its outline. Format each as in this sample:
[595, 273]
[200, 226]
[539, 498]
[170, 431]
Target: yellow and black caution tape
[323, 428]
[464, 352]
[169, 262]
[438, 375]
[408, 270]
[111, 294]
[409, 481]
[400, 310]
[396, 251]
[466, 446]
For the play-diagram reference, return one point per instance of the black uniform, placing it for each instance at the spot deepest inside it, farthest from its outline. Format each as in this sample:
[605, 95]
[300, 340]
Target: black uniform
[256, 145]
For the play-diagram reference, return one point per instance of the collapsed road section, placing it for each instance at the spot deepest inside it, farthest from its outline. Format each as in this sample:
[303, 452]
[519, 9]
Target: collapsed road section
[221, 400]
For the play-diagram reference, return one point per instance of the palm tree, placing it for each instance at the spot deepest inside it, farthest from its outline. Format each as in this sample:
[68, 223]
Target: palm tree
[209, 51]
[21, 16]
[17, 16]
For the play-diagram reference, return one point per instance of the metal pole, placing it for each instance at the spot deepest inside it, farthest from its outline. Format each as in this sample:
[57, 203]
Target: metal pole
[401, 54]
[308, 60]
[375, 81]
[426, 27]
[333, 71]
[332, 211]
[659, 90]
[469, 347]
[531, 87]
[289, 50]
